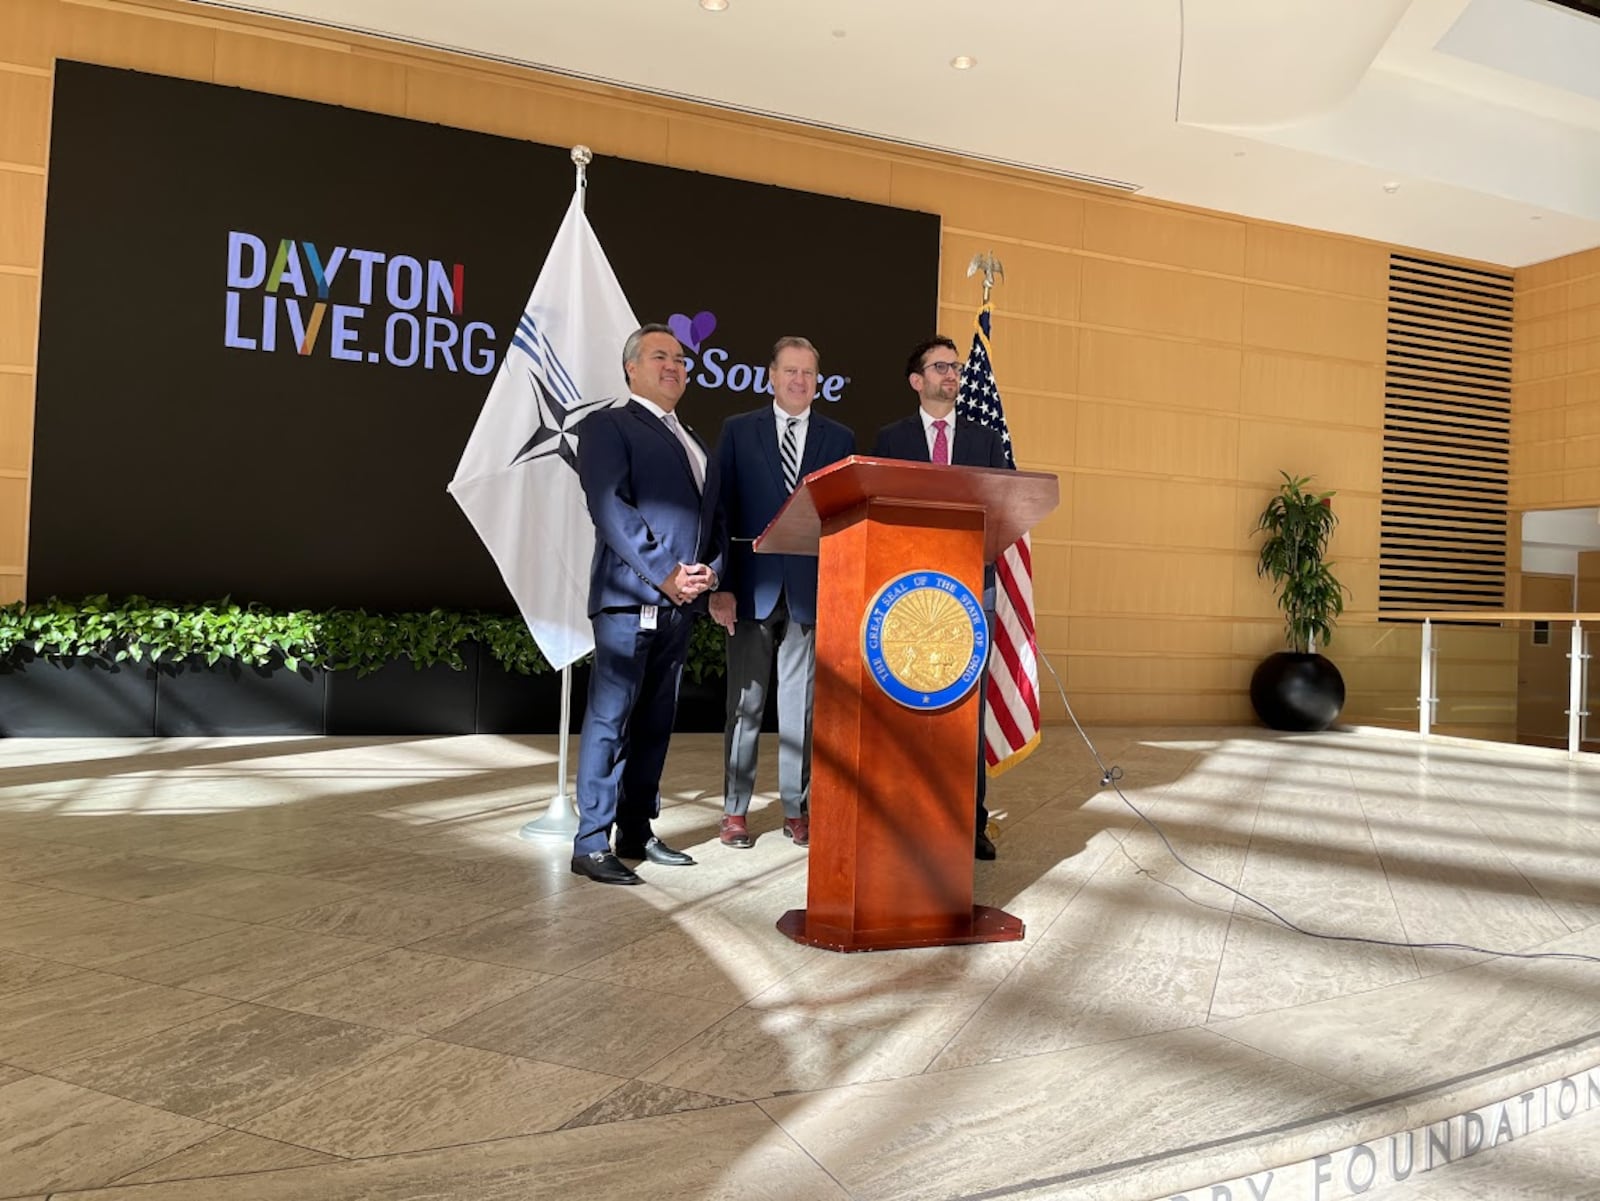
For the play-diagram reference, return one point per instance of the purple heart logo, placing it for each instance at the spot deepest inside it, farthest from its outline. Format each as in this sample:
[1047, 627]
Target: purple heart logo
[692, 331]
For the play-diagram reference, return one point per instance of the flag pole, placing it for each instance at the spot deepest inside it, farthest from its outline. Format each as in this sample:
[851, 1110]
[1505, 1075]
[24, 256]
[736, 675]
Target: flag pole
[560, 819]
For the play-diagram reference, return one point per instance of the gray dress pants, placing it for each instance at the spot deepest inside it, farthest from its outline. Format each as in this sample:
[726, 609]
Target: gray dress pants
[751, 650]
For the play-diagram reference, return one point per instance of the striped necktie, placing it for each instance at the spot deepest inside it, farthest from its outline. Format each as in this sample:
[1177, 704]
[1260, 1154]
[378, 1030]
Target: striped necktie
[791, 456]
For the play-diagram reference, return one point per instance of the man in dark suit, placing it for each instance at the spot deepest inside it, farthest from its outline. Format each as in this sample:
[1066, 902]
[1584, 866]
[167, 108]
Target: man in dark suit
[768, 603]
[936, 434]
[652, 491]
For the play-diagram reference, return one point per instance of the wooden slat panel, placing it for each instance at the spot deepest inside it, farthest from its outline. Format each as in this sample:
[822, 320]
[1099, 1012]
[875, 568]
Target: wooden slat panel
[1038, 283]
[1122, 510]
[1127, 296]
[1321, 262]
[143, 43]
[1134, 439]
[24, 118]
[1304, 389]
[1313, 323]
[1335, 458]
[1158, 370]
[19, 320]
[968, 200]
[16, 424]
[14, 528]
[28, 32]
[21, 219]
[1157, 235]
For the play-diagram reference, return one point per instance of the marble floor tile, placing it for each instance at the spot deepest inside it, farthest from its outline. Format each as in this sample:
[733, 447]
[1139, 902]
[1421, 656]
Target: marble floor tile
[926, 992]
[246, 962]
[640, 907]
[711, 956]
[637, 1100]
[48, 1025]
[1266, 966]
[137, 877]
[586, 1024]
[30, 858]
[1077, 994]
[499, 885]
[433, 1094]
[255, 896]
[7, 1075]
[407, 991]
[19, 972]
[56, 1136]
[229, 1153]
[758, 1053]
[1469, 1018]
[92, 933]
[1043, 1118]
[739, 1155]
[387, 918]
[232, 1065]
[531, 942]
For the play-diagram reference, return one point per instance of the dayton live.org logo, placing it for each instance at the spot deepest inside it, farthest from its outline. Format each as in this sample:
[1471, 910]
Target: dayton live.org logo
[712, 369]
[392, 308]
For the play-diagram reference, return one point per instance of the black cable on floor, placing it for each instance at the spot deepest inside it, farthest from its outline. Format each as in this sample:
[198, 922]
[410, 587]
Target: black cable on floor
[1109, 777]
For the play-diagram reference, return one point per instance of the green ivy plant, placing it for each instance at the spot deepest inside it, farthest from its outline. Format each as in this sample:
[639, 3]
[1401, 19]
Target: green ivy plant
[1297, 524]
[139, 629]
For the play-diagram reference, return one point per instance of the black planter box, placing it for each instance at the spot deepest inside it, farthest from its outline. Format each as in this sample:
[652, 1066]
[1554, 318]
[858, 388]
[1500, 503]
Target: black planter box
[400, 699]
[196, 699]
[510, 703]
[89, 697]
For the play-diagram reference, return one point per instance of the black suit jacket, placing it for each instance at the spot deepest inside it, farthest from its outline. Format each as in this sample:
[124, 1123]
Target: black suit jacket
[974, 445]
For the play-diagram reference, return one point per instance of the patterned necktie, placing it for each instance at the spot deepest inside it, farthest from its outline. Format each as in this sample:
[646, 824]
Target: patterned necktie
[682, 435]
[790, 454]
[941, 444]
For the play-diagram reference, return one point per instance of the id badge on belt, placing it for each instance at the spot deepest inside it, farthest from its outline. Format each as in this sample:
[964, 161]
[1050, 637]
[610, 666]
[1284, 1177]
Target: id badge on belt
[647, 617]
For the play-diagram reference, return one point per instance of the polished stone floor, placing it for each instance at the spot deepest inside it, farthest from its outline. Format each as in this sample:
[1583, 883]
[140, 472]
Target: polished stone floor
[329, 968]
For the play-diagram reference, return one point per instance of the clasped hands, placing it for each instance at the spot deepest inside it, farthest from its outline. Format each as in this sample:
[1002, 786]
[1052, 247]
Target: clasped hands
[687, 581]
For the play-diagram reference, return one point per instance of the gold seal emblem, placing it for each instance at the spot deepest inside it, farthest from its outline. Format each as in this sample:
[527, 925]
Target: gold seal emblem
[927, 639]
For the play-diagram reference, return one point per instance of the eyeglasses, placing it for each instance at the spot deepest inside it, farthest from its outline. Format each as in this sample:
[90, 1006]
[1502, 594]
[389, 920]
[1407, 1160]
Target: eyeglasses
[941, 368]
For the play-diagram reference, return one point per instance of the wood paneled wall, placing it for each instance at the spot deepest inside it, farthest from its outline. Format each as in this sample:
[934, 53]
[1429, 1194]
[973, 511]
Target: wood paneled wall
[1555, 396]
[1167, 362]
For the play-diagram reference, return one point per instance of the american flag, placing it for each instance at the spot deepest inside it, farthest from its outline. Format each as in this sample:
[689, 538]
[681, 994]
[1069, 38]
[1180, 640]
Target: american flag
[1011, 728]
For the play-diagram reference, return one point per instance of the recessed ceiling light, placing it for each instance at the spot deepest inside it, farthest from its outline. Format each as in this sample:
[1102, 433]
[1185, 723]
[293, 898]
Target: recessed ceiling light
[838, 33]
[713, 6]
[1536, 217]
[1391, 187]
[1238, 154]
[963, 62]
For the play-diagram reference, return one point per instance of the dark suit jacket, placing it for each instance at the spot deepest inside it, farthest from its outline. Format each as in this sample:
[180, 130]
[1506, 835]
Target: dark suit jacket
[752, 494]
[648, 516]
[973, 445]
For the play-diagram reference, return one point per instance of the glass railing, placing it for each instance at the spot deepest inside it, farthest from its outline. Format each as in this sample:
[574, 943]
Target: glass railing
[1500, 675]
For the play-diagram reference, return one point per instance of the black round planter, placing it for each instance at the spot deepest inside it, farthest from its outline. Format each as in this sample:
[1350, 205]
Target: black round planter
[1292, 690]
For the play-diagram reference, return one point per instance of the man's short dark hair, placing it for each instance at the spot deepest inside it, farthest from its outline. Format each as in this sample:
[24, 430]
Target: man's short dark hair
[914, 363]
[630, 348]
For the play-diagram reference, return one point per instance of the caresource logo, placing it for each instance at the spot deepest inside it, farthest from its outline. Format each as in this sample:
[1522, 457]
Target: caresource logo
[712, 369]
[391, 308]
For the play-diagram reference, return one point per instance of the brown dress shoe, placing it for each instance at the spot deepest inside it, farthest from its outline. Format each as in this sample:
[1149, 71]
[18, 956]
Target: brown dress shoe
[735, 832]
[799, 829]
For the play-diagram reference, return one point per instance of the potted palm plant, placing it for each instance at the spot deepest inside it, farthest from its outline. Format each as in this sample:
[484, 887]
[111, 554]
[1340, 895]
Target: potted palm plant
[1299, 688]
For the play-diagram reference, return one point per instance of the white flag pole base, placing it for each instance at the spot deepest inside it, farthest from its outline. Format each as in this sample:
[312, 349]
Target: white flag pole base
[560, 819]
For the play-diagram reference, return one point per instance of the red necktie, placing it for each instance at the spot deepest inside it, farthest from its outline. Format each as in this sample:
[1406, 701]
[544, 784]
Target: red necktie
[941, 444]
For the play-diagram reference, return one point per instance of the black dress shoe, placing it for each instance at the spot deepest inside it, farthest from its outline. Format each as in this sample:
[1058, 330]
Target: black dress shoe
[656, 851]
[984, 849]
[604, 868]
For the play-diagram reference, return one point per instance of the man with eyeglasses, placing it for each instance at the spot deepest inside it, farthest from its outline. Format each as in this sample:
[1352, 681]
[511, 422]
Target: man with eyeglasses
[935, 433]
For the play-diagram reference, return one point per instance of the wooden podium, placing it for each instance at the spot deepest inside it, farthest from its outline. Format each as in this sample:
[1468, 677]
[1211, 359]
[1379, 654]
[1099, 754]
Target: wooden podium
[901, 549]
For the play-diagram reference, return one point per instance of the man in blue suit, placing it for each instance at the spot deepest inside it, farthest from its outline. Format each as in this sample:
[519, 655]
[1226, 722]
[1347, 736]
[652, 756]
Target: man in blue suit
[936, 434]
[768, 603]
[652, 491]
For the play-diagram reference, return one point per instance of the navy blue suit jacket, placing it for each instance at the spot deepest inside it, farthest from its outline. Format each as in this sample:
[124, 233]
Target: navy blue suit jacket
[648, 515]
[752, 494]
[974, 445]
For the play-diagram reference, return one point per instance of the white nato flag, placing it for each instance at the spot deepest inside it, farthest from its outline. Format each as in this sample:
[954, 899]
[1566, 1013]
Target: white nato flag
[518, 481]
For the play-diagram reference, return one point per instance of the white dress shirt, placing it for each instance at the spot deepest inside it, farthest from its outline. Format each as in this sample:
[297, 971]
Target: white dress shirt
[949, 431]
[697, 457]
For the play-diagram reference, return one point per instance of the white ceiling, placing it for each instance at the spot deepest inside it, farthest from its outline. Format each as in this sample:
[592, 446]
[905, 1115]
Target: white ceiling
[1485, 113]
